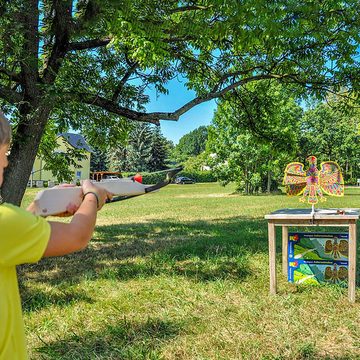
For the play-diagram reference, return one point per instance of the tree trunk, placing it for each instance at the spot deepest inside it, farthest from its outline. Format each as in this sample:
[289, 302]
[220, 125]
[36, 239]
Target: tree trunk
[268, 190]
[246, 183]
[23, 153]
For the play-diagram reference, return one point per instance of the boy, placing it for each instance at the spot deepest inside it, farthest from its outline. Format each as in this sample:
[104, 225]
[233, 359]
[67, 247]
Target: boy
[26, 238]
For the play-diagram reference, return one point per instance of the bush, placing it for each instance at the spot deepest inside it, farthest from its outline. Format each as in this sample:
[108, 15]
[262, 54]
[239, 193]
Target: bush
[199, 176]
[147, 178]
[155, 177]
[352, 181]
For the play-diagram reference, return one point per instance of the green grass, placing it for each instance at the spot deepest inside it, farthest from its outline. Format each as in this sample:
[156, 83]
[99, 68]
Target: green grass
[183, 274]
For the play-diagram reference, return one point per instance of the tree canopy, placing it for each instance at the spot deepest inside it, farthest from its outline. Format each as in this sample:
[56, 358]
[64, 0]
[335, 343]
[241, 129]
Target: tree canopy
[254, 133]
[191, 144]
[331, 133]
[145, 150]
[258, 130]
[86, 64]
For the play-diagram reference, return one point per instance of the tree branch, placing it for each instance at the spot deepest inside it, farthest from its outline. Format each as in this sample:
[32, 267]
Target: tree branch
[88, 44]
[155, 117]
[189, 8]
[214, 95]
[110, 106]
[12, 75]
[61, 24]
[29, 66]
[9, 95]
[122, 82]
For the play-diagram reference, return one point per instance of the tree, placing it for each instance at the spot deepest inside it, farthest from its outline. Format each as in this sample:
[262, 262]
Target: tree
[136, 153]
[254, 133]
[98, 160]
[86, 64]
[331, 133]
[139, 148]
[191, 144]
[145, 150]
[158, 151]
[196, 163]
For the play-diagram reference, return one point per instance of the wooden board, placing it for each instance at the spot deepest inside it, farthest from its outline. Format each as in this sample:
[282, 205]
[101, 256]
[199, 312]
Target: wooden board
[319, 214]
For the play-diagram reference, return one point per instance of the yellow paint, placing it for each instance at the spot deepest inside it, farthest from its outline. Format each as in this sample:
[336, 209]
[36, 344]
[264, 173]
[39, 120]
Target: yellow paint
[80, 172]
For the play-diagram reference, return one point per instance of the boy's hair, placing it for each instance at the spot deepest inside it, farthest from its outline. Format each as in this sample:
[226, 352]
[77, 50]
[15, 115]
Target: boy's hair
[5, 130]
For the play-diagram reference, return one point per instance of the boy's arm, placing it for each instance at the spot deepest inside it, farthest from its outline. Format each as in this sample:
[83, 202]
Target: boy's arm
[66, 238]
[74, 236]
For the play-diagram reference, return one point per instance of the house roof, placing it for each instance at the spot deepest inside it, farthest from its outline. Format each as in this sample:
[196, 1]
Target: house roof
[77, 141]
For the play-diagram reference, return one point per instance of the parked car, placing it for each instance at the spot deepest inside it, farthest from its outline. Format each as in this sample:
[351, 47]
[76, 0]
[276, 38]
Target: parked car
[184, 180]
[111, 177]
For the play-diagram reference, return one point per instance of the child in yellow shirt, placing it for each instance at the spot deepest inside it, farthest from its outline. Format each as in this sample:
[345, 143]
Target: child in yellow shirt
[25, 238]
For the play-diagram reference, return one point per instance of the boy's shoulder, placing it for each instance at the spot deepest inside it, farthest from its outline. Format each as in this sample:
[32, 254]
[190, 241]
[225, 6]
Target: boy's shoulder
[15, 215]
[12, 210]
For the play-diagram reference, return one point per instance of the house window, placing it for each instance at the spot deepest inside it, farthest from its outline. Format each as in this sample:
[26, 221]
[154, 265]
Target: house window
[78, 174]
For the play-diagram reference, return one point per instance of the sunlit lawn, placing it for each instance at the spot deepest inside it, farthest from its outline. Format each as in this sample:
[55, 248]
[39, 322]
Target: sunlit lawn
[183, 274]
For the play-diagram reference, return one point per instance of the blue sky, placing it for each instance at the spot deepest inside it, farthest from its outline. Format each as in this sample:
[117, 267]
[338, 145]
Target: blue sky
[178, 95]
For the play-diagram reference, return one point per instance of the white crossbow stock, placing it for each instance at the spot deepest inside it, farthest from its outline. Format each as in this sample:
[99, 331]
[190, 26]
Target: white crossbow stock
[56, 200]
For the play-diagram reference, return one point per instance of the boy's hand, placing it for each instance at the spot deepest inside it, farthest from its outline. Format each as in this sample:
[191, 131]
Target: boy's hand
[102, 194]
[70, 209]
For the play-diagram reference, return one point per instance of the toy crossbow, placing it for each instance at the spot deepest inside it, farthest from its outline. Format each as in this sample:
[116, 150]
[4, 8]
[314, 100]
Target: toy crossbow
[313, 183]
[56, 200]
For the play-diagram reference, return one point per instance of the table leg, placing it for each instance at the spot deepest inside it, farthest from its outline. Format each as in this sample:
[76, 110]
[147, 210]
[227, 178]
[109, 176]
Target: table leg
[285, 233]
[352, 262]
[272, 256]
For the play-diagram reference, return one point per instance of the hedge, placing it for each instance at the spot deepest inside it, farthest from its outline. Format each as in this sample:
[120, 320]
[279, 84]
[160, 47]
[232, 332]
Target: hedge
[155, 177]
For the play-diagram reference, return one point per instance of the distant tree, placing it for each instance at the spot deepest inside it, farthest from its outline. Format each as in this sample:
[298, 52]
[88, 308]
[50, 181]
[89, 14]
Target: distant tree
[158, 151]
[117, 158]
[330, 131]
[98, 160]
[170, 161]
[195, 163]
[145, 150]
[191, 144]
[135, 154]
[139, 148]
[254, 133]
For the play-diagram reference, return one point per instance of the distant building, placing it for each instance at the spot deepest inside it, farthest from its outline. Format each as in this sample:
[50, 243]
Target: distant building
[80, 172]
[207, 167]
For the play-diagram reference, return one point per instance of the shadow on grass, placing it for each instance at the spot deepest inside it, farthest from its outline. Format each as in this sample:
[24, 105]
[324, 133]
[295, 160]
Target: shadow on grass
[200, 250]
[125, 340]
[196, 250]
[36, 299]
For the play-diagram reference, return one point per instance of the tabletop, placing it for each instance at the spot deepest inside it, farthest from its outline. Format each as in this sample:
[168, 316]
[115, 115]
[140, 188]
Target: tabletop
[318, 214]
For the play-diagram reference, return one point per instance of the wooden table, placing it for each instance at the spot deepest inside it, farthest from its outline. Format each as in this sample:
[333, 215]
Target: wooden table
[305, 217]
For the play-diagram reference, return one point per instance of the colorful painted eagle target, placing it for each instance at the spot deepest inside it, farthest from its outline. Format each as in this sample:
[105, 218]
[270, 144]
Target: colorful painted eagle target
[313, 183]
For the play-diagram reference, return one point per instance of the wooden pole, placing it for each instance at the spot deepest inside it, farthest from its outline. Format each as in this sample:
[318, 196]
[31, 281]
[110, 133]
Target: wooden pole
[352, 262]
[272, 256]
[285, 233]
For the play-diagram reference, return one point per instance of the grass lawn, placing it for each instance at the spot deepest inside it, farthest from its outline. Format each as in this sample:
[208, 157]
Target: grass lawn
[183, 274]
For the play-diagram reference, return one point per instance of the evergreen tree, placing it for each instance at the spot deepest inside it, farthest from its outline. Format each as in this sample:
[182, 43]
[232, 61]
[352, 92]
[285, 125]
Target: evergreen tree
[98, 160]
[159, 151]
[139, 148]
[117, 158]
[145, 150]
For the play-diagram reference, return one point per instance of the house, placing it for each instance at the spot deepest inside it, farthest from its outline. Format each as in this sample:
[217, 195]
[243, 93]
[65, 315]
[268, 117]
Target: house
[80, 172]
[207, 167]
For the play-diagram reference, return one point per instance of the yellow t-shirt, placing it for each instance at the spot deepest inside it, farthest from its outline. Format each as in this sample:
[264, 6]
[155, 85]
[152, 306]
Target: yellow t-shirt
[23, 239]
